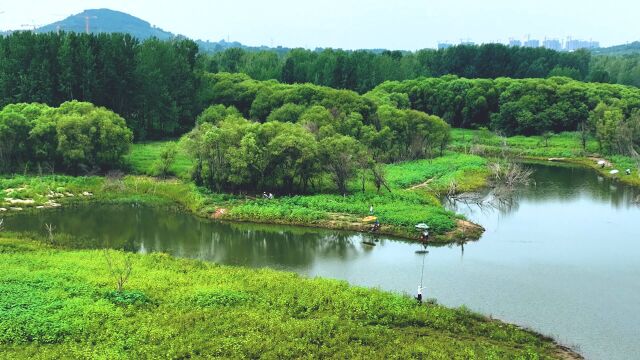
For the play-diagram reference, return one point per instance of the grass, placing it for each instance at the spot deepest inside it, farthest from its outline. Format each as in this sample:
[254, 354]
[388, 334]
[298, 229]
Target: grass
[566, 144]
[143, 157]
[565, 147]
[398, 211]
[468, 171]
[62, 304]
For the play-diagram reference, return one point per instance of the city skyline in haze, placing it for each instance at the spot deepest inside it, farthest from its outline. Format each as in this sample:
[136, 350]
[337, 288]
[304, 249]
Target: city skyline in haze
[406, 25]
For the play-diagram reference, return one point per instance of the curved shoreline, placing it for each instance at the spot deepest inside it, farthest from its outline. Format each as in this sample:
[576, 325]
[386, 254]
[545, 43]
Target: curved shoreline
[591, 163]
[548, 346]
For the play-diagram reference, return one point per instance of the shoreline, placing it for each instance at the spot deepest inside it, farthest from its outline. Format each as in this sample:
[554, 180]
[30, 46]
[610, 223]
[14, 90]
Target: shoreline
[591, 163]
[25, 249]
[190, 200]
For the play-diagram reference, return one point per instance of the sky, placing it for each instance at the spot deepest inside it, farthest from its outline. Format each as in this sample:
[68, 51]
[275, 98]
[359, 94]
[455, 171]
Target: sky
[356, 24]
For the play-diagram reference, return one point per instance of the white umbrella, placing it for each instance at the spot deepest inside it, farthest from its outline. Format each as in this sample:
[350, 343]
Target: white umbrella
[601, 162]
[422, 226]
[613, 172]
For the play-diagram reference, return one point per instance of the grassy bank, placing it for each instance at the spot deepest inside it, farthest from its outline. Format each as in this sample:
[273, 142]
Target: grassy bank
[143, 158]
[63, 304]
[565, 147]
[398, 210]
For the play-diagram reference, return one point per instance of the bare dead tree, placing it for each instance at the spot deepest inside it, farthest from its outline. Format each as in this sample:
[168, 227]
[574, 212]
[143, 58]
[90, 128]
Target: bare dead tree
[510, 174]
[120, 271]
[452, 191]
[50, 229]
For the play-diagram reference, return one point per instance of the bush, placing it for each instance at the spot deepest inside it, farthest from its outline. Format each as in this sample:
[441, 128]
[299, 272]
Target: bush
[127, 298]
[76, 135]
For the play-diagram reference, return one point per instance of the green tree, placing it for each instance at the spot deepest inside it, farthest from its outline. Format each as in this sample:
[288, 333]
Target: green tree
[341, 158]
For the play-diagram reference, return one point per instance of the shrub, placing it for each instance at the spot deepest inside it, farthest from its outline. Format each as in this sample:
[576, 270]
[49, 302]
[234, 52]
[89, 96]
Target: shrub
[128, 298]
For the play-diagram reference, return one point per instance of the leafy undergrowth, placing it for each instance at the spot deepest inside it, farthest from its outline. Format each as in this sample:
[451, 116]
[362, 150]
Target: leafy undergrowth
[61, 304]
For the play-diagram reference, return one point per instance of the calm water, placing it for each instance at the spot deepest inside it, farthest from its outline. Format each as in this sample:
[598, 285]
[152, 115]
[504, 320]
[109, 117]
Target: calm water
[563, 258]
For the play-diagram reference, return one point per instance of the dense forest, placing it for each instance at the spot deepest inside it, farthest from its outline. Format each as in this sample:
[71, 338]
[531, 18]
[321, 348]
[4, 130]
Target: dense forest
[362, 70]
[151, 84]
[300, 132]
[512, 106]
[160, 87]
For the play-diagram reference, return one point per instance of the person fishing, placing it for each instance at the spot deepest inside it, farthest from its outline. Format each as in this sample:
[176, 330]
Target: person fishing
[376, 226]
[419, 296]
[424, 236]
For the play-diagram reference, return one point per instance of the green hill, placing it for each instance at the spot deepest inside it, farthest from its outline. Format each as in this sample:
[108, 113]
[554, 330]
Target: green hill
[108, 21]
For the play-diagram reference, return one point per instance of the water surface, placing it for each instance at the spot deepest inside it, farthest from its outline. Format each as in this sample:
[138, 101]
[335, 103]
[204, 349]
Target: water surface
[562, 258]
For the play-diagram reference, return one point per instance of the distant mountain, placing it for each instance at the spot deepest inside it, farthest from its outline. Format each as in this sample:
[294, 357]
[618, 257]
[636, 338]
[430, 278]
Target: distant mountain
[107, 21]
[631, 48]
[111, 21]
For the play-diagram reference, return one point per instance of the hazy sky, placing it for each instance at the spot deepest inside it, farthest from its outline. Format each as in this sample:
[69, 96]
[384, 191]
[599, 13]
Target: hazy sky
[399, 24]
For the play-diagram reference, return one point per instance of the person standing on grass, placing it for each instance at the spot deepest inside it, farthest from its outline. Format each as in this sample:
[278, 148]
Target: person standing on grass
[371, 210]
[419, 297]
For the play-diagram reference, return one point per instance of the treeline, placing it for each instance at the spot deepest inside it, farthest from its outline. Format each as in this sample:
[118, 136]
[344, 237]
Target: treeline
[362, 70]
[151, 84]
[74, 137]
[160, 87]
[525, 106]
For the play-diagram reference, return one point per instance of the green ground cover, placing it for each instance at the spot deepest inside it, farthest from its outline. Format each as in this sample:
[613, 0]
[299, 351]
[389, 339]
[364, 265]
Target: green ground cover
[143, 158]
[63, 304]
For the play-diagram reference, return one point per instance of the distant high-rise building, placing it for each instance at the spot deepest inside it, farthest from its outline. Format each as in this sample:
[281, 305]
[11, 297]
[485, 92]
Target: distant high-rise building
[576, 44]
[532, 43]
[442, 46]
[513, 42]
[467, 42]
[552, 44]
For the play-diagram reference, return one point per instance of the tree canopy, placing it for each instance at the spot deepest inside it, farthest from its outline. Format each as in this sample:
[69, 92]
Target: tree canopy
[72, 137]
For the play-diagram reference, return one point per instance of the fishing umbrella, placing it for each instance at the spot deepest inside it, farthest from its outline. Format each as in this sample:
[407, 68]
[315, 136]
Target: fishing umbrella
[422, 226]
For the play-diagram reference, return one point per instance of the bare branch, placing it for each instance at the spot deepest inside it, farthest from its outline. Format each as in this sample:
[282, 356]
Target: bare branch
[120, 272]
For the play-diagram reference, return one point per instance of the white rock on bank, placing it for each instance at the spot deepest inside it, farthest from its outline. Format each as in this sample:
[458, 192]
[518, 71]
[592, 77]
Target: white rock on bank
[19, 201]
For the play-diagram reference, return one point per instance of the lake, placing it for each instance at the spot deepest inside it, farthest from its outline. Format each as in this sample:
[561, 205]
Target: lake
[562, 257]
